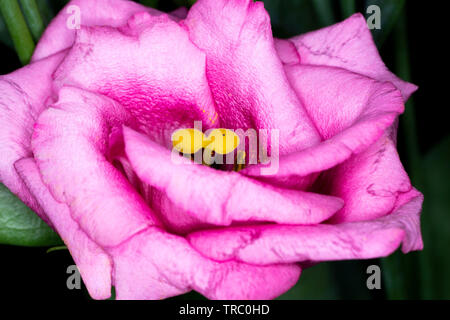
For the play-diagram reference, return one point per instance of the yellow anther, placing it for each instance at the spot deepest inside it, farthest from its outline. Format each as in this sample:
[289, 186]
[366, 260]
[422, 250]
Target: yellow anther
[187, 140]
[240, 161]
[221, 141]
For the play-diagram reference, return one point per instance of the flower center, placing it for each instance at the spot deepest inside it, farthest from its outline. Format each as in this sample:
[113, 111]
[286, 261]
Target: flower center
[214, 148]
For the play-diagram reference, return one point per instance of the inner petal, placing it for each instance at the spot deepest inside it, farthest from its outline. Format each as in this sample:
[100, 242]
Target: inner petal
[216, 197]
[158, 75]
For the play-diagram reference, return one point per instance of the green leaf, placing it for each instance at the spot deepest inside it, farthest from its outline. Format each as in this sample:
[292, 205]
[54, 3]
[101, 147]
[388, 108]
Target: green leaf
[18, 29]
[5, 38]
[33, 16]
[19, 225]
[436, 222]
[390, 12]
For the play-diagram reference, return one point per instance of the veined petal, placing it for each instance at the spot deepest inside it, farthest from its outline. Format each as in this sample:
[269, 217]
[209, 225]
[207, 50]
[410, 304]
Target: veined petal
[23, 96]
[370, 182]
[156, 265]
[157, 74]
[60, 33]
[323, 242]
[350, 111]
[245, 73]
[287, 51]
[69, 144]
[221, 197]
[92, 261]
[348, 45]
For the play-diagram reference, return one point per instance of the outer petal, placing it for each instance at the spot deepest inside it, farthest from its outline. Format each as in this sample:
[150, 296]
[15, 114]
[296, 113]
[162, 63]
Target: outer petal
[351, 240]
[152, 264]
[348, 45]
[157, 74]
[69, 145]
[245, 73]
[60, 34]
[350, 112]
[147, 262]
[23, 94]
[180, 13]
[287, 51]
[221, 197]
[155, 265]
[370, 182]
[92, 261]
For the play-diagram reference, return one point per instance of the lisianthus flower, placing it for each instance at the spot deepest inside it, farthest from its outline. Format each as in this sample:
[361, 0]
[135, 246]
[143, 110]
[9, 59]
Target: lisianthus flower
[85, 133]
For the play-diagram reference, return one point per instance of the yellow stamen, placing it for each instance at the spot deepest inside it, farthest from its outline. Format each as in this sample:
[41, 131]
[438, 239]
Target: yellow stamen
[221, 141]
[240, 161]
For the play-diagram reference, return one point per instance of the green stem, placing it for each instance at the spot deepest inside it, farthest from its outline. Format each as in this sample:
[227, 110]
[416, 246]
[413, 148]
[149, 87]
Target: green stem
[18, 29]
[58, 248]
[34, 20]
[324, 11]
[348, 7]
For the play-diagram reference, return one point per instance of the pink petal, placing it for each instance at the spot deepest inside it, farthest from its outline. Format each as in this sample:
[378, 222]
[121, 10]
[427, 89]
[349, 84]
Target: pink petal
[92, 261]
[221, 197]
[245, 73]
[157, 74]
[180, 13]
[350, 112]
[370, 182]
[284, 244]
[60, 34]
[22, 99]
[69, 145]
[287, 51]
[156, 265]
[348, 45]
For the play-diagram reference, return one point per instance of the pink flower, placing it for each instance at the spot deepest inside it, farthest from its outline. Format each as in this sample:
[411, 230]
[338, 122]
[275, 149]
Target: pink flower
[84, 142]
